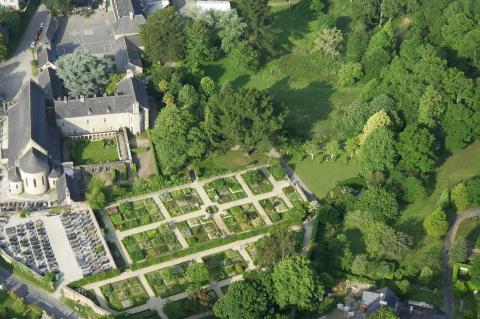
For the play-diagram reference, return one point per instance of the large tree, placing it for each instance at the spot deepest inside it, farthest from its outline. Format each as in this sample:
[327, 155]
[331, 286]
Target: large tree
[328, 42]
[59, 7]
[258, 18]
[379, 203]
[83, 73]
[198, 43]
[378, 152]
[271, 249]
[416, 149]
[383, 241]
[231, 29]
[163, 36]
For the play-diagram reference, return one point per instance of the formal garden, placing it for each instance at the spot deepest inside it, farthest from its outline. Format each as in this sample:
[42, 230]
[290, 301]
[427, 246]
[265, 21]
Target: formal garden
[124, 294]
[224, 190]
[277, 171]
[168, 281]
[184, 308]
[84, 152]
[252, 251]
[133, 214]
[275, 207]
[242, 218]
[198, 230]
[182, 201]
[226, 264]
[293, 196]
[257, 182]
[151, 243]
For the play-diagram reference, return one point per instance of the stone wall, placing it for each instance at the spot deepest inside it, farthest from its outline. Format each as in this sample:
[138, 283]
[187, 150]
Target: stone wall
[81, 299]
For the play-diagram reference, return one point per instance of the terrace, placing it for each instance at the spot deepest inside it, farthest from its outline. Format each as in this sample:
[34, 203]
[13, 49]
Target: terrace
[226, 264]
[124, 294]
[242, 218]
[130, 215]
[182, 201]
[224, 190]
[275, 208]
[258, 182]
[168, 281]
[198, 230]
[152, 243]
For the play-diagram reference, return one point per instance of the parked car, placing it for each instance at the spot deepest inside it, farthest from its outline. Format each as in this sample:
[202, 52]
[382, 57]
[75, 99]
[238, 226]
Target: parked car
[42, 25]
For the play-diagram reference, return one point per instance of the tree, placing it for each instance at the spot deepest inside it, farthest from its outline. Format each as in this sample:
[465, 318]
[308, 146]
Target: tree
[163, 37]
[377, 152]
[328, 42]
[83, 73]
[311, 148]
[207, 86]
[436, 223]
[459, 197]
[258, 18]
[96, 193]
[112, 84]
[383, 241]
[296, 274]
[188, 97]
[231, 29]
[415, 148]
[349, 73]
[426, 275]
[271, 249]
[474, 272]
[473, 190]
[431, 107]
[333, 149]
[378, 120]
[379, 203]
[3, 47]
[360, 265]
[458, 252]
[245, 57]
[384, 314]
[59, 7]
[197, 275]
[364, 11]
[198, 43]
[316, 6]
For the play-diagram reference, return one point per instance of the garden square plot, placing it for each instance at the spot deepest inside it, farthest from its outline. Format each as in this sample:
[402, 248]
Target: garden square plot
[168, 281]
[198, 230]
[242, 218]
[252, 251]
[224, 190]
[151, 243]
[226, 264]
[275, 208]
[124, 294]
[181, 201]
[277, 172]
[133, 214]
[293, 196]
[257, 181]
[185, 308]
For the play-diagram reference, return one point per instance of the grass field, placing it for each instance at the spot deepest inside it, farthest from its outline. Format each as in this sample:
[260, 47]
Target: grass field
[90, 152]
[11, 307]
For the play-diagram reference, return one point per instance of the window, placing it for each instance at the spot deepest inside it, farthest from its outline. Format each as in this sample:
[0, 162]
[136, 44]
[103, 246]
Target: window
[34, 182]
[104, 120]
[26, 182]
[54, 182]
[88, 121]
[43, 180]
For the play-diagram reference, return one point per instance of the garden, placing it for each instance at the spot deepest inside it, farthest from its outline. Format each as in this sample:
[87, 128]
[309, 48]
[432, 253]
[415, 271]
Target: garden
[224, 190]
[242, 218]
[184, 308]
[182, 201]
[151, 243]
[168, 281]
[258, 182]
[84, 152]
[226, 264]
[124, 294]
[293, 196]
[129, 215]
[274, 207]
[252, 251]
[198, 230]
[277, 171]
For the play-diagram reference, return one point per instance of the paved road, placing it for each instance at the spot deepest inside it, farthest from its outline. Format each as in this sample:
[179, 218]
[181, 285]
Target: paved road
[448, 299]
[36, 296]
[17, 70]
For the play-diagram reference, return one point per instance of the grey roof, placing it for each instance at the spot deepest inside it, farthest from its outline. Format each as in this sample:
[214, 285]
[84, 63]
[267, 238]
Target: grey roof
[34, 162]
[130, 90]
[27, 121]
[127, 26]
[136, 40]
[123, 8]
[380, 298]
[45, 55]
[13, 175]
[127, 55]
[66, 185]
[56, 172]
[50, 29]
[52, 85]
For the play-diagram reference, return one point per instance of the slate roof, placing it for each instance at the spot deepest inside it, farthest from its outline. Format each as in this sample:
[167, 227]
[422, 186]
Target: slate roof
[380, 298]
[126, 26]
[13, 175]
[45, 55]
[127, 55]
[56, 172]
[123, 8]
[66, 185]
[52, 85]
[50, 29]
[34, 162]
[132, 85]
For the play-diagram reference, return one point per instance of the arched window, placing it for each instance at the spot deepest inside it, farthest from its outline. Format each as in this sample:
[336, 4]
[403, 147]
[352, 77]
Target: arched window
[34, 182]
[43, 180]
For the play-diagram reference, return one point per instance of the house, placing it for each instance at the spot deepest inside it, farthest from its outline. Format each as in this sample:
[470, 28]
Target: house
[129, 16]
[12, 4]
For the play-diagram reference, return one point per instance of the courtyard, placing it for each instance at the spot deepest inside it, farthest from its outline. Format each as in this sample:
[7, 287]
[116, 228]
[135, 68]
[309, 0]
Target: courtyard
[84, 152]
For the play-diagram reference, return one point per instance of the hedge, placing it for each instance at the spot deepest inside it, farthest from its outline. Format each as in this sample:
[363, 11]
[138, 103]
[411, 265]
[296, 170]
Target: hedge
[154, 153]
[94, 278]
[27, 274]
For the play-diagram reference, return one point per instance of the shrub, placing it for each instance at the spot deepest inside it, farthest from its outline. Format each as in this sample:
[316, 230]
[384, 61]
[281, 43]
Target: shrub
[436, 223]
[459, 197]
[245, 57]
[349, 73]
[473, 190]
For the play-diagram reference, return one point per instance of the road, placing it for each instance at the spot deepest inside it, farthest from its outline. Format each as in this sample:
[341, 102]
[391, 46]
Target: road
[36, 296]
[17, 70]
[448, 299]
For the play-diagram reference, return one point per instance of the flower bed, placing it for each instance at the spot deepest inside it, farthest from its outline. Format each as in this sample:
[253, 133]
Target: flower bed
[257, 182]
[168, 281]
[226, 264]
[242, 218]
[133, 214]
[152, 243]
[224, 190]
[198, 230]
[274, 207]
[182, 201]
[124, 294]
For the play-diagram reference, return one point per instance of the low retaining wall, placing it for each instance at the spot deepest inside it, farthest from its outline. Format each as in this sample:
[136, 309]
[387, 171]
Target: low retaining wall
[81, 299]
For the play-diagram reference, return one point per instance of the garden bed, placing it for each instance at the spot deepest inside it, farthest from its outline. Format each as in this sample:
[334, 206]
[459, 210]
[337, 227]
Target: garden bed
[198, 230]
[257, 182]
[226, 264]
[252, 251]
[182, 201]
[84, 152]
[293, 196]
[152, 243]
[275, 208]
[277, 172]
[130, 215]
[168, 281]
[124, 294]
[224, 190]
[242, 218]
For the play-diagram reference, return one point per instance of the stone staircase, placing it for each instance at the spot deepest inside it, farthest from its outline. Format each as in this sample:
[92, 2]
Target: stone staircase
[123, 146]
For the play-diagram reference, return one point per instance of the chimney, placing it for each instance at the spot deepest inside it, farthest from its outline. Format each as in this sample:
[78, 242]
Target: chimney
[82, 98]
[131, 15]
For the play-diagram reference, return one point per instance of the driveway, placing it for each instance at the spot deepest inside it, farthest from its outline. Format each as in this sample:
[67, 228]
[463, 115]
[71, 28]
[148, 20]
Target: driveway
[17, 70]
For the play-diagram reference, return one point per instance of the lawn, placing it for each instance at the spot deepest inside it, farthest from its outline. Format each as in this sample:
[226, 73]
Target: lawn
[274, 207]
[257, 181]
[184, 308]
[182, 201]
[168, 281]
[242, 218]
[133, 214]
[226, 264]
[12, 307]
[224, 190]
[124, 294]
[470, 229]
[151, 243]
[84, 152]
[198, 230]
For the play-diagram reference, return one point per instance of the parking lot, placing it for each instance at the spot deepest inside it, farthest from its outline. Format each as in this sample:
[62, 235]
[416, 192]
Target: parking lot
[94, 34]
